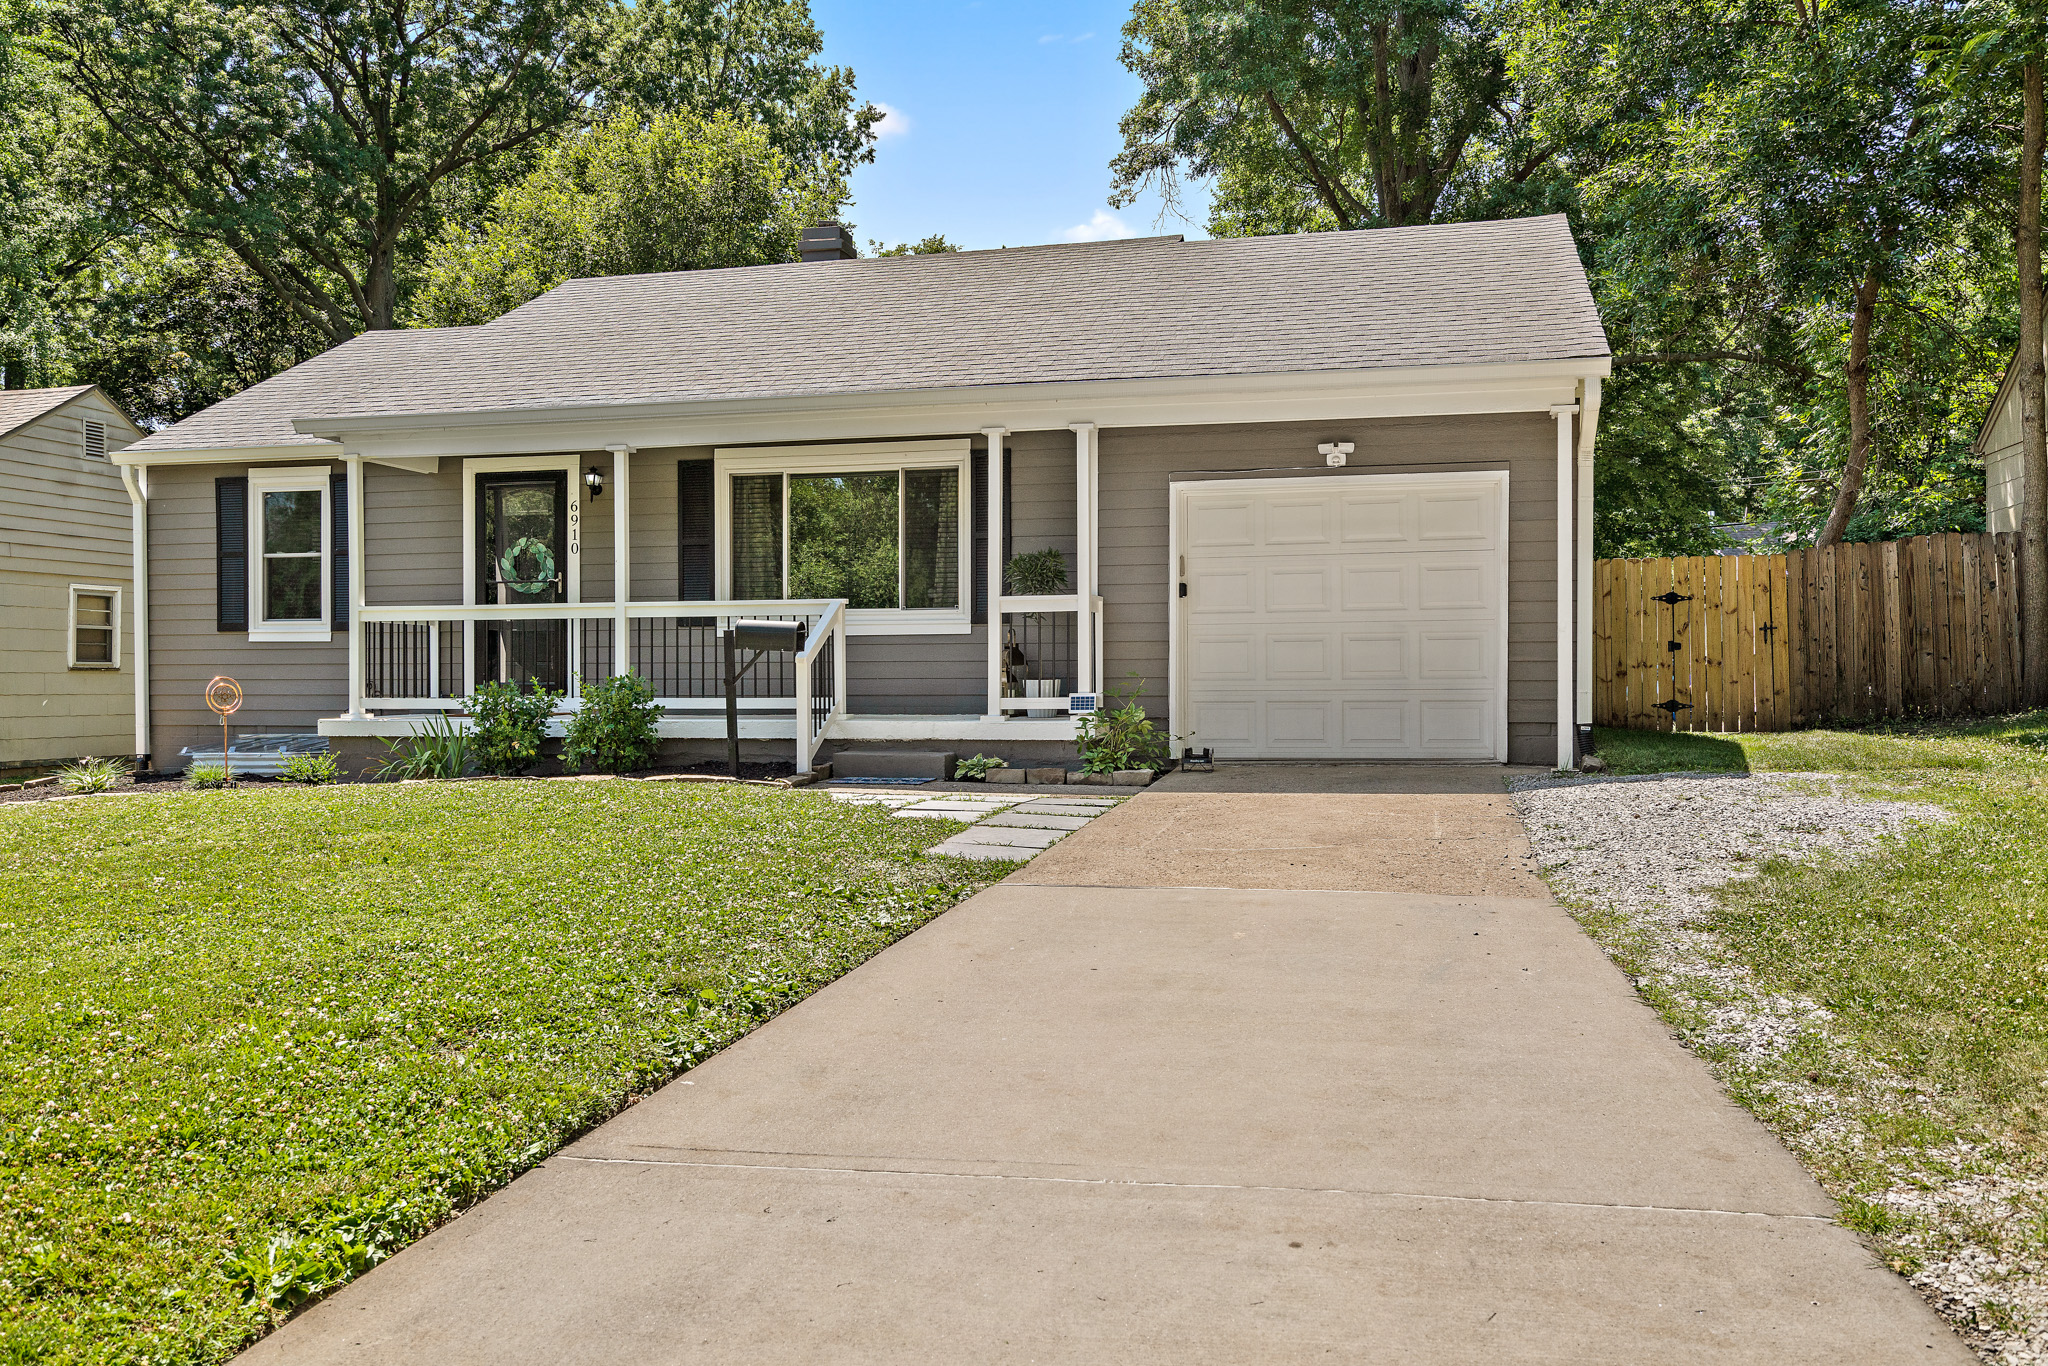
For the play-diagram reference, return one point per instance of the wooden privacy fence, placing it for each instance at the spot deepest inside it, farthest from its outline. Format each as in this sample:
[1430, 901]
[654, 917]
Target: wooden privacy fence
[1927, 626]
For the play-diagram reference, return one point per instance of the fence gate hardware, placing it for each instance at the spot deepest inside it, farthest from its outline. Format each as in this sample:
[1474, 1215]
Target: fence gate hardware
[1672, 598]
[1671, 706]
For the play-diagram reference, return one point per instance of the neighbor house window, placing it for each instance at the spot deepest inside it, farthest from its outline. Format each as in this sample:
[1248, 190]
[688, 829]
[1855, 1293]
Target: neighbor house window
[95, 627]
[881, 526]
[289, 554]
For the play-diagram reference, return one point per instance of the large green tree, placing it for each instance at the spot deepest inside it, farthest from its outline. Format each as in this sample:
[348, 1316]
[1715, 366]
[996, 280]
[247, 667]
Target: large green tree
[676, 192]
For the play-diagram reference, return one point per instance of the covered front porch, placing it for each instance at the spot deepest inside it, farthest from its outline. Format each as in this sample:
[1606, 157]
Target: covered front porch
[412, 662]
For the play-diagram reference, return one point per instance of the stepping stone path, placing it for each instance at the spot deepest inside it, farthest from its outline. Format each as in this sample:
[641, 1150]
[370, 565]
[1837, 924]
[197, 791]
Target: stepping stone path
[1000, 827]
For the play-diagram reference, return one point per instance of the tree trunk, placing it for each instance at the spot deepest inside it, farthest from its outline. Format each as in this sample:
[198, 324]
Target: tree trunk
[1859, 410]
[2033, 430]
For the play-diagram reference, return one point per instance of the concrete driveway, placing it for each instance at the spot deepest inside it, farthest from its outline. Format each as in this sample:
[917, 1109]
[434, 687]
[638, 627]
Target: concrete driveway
[1281, 1065]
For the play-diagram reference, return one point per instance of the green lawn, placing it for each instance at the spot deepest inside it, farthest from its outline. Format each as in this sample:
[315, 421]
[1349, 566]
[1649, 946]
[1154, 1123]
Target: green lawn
[1931, 955]
[251, 1042]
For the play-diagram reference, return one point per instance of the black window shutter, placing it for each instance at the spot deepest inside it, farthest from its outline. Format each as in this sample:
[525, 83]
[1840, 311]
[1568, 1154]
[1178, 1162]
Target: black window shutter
[978, 476]
[695, 533]
[231, 553]
[337, 507]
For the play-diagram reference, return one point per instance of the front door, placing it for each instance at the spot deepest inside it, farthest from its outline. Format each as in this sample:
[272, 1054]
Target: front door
[522, 558]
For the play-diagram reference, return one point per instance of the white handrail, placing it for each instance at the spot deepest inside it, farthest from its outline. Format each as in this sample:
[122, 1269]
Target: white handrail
[830, 626]
[596, 611]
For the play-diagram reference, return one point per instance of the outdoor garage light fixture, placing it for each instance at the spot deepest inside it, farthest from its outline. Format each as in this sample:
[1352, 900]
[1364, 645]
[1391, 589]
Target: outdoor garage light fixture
[593, 481]
[1334, 452]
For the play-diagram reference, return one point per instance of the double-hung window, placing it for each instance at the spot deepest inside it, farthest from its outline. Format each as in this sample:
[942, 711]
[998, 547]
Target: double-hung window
[885, 526]
[95, 627]
[289, 554]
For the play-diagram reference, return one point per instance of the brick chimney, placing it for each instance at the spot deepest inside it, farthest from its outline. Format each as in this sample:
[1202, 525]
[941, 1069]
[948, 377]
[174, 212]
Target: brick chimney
[828, 242]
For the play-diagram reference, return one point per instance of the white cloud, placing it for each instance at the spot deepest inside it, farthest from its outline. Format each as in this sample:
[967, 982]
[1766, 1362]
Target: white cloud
[1084, 37]
[1051, 37]
[894, 122]
[1101, 228]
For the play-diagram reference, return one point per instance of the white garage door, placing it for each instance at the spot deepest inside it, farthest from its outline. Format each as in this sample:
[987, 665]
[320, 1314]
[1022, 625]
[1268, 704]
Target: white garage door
[1348, 617]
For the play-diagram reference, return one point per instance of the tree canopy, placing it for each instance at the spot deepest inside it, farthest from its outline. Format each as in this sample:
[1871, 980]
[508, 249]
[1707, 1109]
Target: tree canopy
[678, 192]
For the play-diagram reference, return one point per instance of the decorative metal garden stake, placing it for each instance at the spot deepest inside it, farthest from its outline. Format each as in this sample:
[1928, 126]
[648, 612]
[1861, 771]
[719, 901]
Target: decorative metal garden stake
[224, 699]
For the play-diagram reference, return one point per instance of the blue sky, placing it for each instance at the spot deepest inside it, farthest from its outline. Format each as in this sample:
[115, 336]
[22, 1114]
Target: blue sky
[1003, 120]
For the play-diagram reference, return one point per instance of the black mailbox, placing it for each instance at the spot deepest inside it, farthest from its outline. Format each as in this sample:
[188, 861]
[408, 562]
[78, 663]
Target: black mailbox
[769, 635]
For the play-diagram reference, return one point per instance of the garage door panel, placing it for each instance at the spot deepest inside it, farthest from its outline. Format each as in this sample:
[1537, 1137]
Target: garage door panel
[1223, 658]
[1384, 723]
[1450, 587]
[1472, 517]
[1214, 523]
[1376, 658]
[1303, 588]
[1457, 725]
[1299, 658]
[1455, 656]
[1298, 521]
[1376, 588]
[1375, 521]
[1343, 619]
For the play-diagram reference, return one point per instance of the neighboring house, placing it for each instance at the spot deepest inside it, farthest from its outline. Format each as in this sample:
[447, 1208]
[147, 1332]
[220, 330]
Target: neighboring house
[864, 444]
[67, 685]
[1998, 446]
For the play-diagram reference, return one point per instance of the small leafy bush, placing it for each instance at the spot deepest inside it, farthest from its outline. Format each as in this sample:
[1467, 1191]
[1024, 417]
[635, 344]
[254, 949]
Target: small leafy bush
[300, 1265]
[614, 729]
[1120, 736]
[310, 768]
[206, 775]
[92, 775]
[977, 768]
[1041, 572]
[438, 749]
[508, 725]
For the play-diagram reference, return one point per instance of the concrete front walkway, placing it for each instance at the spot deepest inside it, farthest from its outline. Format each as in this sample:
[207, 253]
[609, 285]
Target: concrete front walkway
[1273, 1069]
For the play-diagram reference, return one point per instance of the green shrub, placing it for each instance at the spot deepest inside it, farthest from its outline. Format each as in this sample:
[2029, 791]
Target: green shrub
[206, 775]
[310, 768]
[438, 749]
[92, 775]
[1120, 736]
[614, 729]
[978, 767]
[507, 726]
[1041, 572]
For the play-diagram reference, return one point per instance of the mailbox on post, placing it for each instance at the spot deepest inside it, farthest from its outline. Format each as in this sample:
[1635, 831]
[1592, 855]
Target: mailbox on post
[760, 637]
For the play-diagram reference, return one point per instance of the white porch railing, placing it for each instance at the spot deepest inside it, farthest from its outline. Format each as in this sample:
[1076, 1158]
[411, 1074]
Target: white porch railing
[430, 658]
[1044, 642]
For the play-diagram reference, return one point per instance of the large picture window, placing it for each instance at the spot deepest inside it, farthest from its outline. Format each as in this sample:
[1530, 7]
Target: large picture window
[880, 526]
[289, 554]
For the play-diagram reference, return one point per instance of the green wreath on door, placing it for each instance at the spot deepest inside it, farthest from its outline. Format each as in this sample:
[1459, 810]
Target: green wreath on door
[543, 561]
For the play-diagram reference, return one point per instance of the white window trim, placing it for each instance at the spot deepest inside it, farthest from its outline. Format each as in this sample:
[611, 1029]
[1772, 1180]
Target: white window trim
[856, 458]
[571, 466]
[293, 479]
[71, 658]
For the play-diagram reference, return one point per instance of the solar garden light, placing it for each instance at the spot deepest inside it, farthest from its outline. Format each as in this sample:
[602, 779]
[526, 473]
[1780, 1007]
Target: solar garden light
[760, 637]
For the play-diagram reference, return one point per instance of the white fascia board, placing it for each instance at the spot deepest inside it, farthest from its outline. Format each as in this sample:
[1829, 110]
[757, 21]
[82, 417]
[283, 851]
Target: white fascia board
[1431, 391]
[270, 455]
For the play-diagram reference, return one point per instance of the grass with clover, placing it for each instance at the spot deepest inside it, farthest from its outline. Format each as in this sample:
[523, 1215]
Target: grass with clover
[252, 1042]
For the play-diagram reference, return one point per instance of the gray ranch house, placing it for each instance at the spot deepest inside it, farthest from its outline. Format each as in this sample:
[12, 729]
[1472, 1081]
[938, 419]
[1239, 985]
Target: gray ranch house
[1316, 496]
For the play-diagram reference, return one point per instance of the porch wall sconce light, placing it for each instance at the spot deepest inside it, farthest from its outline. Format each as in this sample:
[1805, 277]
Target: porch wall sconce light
[594, 481]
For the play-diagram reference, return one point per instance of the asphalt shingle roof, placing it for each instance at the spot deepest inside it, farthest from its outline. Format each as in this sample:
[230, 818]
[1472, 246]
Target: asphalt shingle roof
[1158, 307]
[19, 407]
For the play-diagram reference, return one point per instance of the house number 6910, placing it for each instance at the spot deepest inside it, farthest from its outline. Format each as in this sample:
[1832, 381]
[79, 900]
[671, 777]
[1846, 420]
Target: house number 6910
[575, 527]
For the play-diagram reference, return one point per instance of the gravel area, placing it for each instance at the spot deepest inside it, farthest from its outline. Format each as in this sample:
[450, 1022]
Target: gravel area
[1649, 852]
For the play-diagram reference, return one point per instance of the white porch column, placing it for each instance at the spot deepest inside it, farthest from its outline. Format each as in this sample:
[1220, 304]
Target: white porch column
[357, 553]
[138, 594]
[995, 437]
[622, 557]
[1084, 555]
[1566, 691]
[1589, 423]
